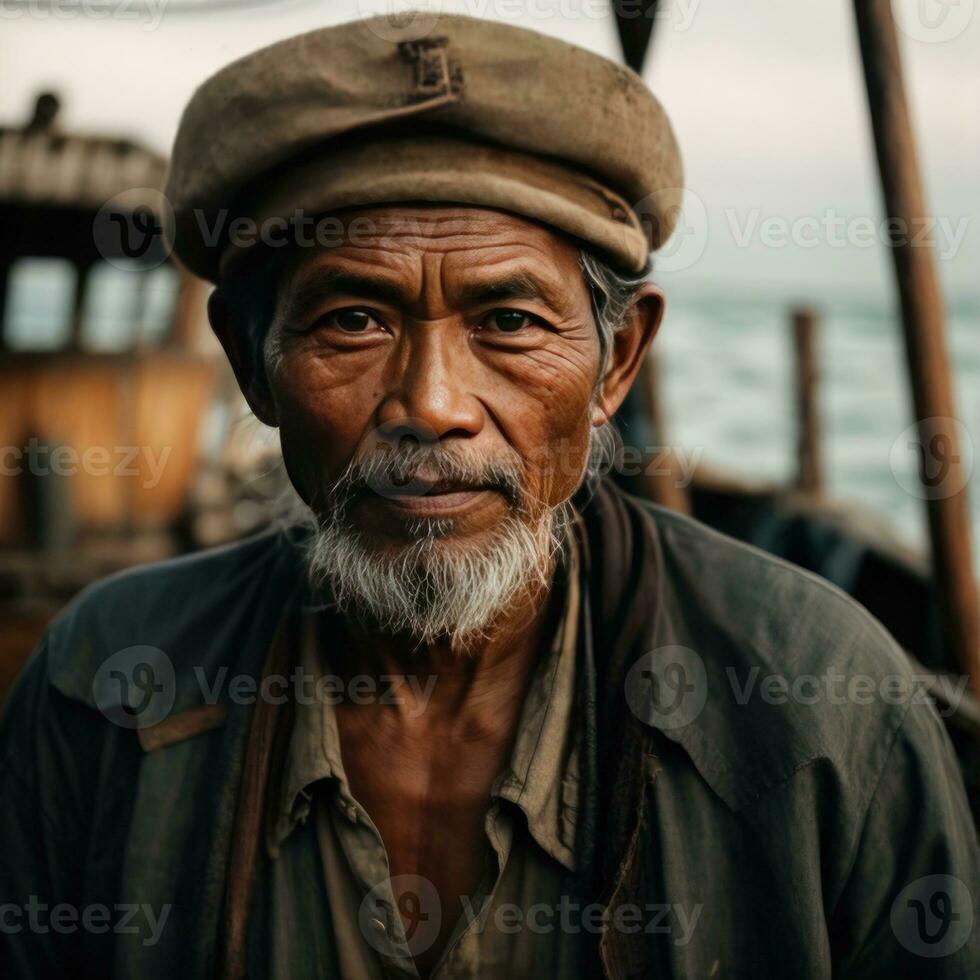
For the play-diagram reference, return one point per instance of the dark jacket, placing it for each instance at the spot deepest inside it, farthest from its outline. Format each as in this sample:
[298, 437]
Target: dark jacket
[758, 757]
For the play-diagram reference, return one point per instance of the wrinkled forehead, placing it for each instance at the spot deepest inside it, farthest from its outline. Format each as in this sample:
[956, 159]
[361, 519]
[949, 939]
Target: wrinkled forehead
[405, 229]
[455, 245]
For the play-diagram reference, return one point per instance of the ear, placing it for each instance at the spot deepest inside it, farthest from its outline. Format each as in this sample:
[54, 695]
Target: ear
[245, 360]
[630, 346]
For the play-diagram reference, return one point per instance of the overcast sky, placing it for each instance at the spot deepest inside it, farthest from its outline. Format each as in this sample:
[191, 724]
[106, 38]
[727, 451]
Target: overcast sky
[766, 97]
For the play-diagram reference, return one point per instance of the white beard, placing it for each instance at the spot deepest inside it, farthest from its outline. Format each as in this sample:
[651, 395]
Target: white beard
[435, 587]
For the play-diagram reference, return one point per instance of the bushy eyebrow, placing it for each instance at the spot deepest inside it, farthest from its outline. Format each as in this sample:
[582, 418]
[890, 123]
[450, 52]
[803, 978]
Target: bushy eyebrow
[510, 286]
[313, 288]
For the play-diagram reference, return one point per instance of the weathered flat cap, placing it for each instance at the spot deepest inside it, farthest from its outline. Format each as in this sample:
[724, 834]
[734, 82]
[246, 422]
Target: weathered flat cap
[450, 109]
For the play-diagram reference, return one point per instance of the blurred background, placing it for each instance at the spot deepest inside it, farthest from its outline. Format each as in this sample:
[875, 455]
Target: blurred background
[123, 435]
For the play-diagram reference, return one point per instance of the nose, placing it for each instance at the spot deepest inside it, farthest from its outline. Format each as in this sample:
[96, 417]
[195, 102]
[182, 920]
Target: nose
[430, 393]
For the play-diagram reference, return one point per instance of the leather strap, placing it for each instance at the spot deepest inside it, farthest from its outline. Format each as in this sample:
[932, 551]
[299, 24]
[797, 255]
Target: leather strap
[268, 742]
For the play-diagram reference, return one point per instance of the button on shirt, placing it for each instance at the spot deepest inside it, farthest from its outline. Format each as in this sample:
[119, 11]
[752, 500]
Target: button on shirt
[327, 906]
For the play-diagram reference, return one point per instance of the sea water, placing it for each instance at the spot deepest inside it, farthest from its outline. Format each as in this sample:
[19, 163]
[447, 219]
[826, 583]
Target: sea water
[726, 375]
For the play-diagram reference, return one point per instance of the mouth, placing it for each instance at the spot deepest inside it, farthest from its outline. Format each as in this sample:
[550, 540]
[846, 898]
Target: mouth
[439, 499]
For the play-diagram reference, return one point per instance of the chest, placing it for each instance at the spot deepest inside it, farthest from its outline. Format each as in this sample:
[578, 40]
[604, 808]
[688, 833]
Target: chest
[427, 792]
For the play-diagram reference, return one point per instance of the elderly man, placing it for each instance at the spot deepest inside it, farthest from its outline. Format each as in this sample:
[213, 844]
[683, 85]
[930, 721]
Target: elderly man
[484, 715]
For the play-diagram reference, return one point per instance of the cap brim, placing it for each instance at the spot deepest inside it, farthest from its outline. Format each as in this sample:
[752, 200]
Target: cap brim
[440, 170]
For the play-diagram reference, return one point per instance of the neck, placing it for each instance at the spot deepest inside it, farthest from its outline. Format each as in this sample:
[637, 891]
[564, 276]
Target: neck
[446, 679]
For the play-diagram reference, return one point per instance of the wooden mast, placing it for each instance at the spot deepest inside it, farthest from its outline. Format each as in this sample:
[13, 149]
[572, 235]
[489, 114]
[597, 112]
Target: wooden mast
[924, 328]
[634, 24]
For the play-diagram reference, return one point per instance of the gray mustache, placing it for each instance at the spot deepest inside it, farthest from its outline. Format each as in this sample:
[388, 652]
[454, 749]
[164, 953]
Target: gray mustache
[414, 469]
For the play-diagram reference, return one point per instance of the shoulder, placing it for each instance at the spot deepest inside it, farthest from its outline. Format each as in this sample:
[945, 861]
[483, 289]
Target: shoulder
[62, 727]
[775, 615]
[193, 608]
[780, 614]
[793, 672]
[746, 606]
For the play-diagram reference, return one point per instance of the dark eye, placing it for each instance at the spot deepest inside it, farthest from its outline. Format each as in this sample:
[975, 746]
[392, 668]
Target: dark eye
[350, 321]
[510, 321]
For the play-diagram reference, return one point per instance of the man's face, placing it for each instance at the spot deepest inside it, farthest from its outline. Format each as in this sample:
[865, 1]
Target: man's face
[435, 380]
[465, 329]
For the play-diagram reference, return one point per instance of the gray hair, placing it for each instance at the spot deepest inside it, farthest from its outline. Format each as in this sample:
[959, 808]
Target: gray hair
[613, 296]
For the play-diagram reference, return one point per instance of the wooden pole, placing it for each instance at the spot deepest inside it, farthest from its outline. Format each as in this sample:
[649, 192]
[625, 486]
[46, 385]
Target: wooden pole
[4, 282]
[634, 23]
[809, 473]
[661, 480]
[923, 325]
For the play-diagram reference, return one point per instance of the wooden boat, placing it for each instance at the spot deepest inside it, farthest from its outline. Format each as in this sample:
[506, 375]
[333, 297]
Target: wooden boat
[103, 390]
